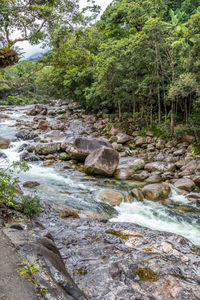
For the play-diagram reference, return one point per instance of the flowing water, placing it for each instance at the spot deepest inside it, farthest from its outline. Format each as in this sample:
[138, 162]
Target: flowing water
[65, 183]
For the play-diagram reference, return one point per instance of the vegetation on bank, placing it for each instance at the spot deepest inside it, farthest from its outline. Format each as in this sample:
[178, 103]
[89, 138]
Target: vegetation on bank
[29, 205]
[140, 61]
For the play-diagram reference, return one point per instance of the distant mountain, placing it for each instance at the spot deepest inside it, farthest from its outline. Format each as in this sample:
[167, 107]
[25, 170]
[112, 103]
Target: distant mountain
[35, 56]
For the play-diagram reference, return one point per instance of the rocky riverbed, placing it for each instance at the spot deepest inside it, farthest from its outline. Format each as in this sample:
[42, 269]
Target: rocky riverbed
[92, 177]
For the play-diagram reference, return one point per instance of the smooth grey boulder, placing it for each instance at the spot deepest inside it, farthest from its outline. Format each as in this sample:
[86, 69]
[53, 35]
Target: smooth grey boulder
[47, 148]
[83, 146]
[132, 163]
[26, 135]
[28, 156]
[103, 161]
[160, 166]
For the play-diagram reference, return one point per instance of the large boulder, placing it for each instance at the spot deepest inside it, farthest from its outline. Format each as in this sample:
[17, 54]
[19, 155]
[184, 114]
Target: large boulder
[103, 161]
[55, 135]
[47, 148]
[28, 156]
[37, 109]
[111, 197]
[156, 192]
[43, 125]
[4, 143]
[131, 163]
[26, 135]
[160, 166]
[123, 138]
[185, 184]
[83, 146]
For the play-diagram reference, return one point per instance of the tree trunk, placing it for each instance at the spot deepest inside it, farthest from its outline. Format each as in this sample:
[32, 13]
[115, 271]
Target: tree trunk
[151, 116]
[134, 105]
[159, 105]
[172, 118]
[119, 111]
[186, 111]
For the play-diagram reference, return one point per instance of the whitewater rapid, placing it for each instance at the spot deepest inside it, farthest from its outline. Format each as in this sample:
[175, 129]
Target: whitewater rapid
[73, 188]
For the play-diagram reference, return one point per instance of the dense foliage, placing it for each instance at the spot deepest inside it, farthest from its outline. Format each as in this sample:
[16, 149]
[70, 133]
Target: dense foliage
[140, 60]
[29, 205]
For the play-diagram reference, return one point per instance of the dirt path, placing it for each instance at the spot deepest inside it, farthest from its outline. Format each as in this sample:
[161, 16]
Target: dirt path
[12, 286]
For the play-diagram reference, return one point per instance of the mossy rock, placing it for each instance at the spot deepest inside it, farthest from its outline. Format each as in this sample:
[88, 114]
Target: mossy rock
[146, 274]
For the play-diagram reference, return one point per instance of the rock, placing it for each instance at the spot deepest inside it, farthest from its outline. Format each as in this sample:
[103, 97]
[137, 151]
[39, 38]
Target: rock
[123, 138]
[4, 143]
[154, 178]
[28, 156]
[160, 144]
[39, 118]
[83, 146]
[103, 161]
[37, 109]
[132, 163]
[56, 135]
[188, 139]
[197, 180]
[47, 148]
[114, 131]
[118, 147]
[124, 173]
[59, 125]
[26, 135]
[140, 141]
[30, 184]
[52, 278]
[180, 152]
[137, 194]
[43, 125]
[2, 155]
[124, 261]
[160, 166]
[185, 184]
[140, 176]
[111, 197]
[3, 116]
[156, 191]
[190, 166]
[30, 148]
[22, 147]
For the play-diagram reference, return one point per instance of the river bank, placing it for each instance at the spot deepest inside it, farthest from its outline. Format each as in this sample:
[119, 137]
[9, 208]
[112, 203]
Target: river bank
[155, 184]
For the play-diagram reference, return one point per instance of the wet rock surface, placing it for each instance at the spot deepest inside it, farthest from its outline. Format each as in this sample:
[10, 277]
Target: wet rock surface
[156, 192]
[102, 162]
[4, 143]
[109, 260]
[83, 146]
[126, 261]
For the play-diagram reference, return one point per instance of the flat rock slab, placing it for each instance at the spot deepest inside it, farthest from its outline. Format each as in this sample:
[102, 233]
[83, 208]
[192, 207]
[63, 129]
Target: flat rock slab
[12, 286]
[125, 261]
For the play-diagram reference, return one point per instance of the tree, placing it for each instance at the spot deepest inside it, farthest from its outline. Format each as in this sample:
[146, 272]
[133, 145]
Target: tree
[34, 21]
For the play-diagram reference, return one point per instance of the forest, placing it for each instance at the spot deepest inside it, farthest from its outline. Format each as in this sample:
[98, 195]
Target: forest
[139, 61]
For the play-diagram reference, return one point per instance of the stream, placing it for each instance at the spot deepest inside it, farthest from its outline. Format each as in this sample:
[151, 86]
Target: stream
[65, 183]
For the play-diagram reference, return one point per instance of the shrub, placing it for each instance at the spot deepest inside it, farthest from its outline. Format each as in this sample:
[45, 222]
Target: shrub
[30, 205]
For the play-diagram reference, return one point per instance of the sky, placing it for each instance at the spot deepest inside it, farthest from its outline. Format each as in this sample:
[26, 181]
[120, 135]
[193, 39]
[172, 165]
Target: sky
[30, 50]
